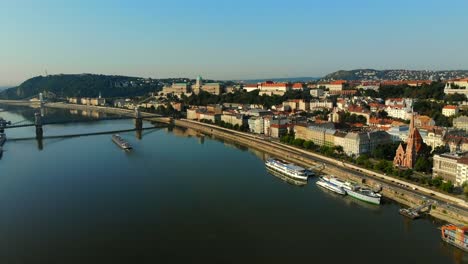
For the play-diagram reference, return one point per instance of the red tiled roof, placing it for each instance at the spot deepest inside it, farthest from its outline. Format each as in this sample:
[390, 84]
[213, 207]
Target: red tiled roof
[450, 107]
[297, 86]
[338, 82]
[274, 84]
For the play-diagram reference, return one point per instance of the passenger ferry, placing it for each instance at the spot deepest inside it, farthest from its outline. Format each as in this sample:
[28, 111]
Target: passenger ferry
[325, 182]
[288, 169]
[455, 236]
[121, 142]
[356, 191]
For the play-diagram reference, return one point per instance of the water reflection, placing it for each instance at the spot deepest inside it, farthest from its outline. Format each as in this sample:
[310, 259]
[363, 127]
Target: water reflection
[40, 145]
[287, 179]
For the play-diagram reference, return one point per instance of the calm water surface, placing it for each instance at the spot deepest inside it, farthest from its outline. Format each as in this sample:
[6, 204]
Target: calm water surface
[179, 198]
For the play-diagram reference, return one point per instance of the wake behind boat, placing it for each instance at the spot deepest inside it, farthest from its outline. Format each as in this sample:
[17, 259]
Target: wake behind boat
[288, 169]
[121, 142]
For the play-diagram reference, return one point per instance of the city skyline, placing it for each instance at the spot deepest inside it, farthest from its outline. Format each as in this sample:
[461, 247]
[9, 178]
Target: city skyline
[245, 40]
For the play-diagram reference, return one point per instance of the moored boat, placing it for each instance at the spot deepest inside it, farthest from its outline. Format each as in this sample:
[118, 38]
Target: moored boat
[356, 191]
[325, 182]
[409, 213]
[288, 169]
[121, 142]
[455, 236]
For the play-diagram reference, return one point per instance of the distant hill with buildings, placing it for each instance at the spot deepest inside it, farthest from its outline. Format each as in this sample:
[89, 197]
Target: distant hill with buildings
[370, 74]
[82, 85]
[292, 79]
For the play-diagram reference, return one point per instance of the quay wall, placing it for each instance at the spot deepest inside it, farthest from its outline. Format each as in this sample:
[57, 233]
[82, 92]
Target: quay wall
[295, 155]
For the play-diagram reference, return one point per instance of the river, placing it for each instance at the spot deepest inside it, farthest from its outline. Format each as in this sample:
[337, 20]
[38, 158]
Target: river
[179, 197]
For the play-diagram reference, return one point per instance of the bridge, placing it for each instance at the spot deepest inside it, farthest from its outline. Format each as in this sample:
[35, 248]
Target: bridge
[120, 113]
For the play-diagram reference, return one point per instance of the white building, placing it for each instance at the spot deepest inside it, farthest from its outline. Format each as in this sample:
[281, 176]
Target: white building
[450, 110]
[452, 167]
[321, 104]
[333, 86]
[462, 87]
[398, 111]
[256, 125]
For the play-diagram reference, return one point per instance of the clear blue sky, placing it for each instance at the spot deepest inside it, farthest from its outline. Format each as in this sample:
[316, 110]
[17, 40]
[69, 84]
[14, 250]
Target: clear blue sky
[228, 39]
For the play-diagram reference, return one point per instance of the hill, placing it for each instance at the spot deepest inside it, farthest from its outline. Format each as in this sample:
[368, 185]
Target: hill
[370, 74]
[291, 79]
[82, 85]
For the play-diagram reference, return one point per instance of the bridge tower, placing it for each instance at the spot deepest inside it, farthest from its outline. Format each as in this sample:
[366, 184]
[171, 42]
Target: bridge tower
[38, 123]
[138, 119]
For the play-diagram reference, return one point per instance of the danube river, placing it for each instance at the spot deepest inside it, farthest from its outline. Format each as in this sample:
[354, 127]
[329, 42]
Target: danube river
[180, 197]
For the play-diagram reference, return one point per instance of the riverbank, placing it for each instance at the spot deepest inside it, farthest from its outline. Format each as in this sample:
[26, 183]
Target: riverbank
[390, 190]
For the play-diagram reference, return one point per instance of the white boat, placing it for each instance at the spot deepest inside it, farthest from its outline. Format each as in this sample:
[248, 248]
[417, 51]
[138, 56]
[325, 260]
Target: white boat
[325, 183]
[356, 191]
[287, 169]
[121, 142]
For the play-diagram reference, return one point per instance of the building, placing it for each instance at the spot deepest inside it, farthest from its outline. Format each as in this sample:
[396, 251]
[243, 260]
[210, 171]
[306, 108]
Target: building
[404, 102]
[278, 130]
[407, 157]
[209, 116]
[120, 103]
[451, 167]
[398, 111]
[317, 92]
[73, 100]
[177, 89]
[270, 88]
[435, 137]
[461, 122]
[358, 143]
[459, 86]
[298, 87]
[369, 86]
[212, 88]
[93, 101]
[319, 135]
[256, 125]
[250, 87]
[234, 119]
[314, 104]
[457, 143]
[359, 111]
[399, 133]
[334, 85]
[277, 123]
[423, 121]
[450, 110]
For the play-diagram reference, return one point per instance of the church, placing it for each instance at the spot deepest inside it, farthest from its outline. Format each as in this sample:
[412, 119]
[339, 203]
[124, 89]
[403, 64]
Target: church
[406, 158]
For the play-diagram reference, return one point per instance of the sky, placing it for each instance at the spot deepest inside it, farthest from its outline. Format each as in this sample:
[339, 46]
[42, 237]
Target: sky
[237, 39]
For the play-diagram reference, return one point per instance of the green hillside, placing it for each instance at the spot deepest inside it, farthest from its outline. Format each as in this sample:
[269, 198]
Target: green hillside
[82, 85]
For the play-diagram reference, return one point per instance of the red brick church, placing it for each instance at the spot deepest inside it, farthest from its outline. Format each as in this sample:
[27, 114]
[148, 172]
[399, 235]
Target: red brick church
[407, 157]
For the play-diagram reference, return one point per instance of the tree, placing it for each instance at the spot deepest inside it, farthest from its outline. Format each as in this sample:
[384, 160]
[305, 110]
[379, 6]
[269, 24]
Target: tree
[437, 182]
[423, 165]
[447, 186]
[465, 188]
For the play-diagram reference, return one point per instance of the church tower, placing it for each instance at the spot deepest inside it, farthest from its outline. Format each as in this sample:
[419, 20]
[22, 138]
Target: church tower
[407, 158]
